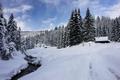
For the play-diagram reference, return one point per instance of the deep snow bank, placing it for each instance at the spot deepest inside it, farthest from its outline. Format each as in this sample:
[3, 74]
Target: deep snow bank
[12, 67]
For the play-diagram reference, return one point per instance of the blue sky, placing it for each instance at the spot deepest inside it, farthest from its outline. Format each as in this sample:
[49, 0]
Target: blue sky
[46, 14]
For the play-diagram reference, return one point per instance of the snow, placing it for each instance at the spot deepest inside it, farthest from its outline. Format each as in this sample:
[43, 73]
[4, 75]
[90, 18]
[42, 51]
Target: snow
[11, 67]
[88, 61]
[101, 39]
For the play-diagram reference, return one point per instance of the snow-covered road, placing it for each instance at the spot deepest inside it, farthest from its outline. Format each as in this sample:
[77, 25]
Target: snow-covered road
[88, 62]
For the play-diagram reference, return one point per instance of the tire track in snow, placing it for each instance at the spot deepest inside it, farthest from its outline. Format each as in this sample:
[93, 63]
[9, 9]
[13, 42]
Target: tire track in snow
[92, 73]
[114, 73]
[98, 69]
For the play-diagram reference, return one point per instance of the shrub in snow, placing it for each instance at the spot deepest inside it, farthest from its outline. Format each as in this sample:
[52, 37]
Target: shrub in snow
[9, 52]
[37, 61]
[33, 60]
[12, 49]
[23, 48]
[5, 55]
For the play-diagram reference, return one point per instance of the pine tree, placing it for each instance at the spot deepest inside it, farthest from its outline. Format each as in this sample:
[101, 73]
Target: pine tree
[66, 35]
[74, 28]
[63, 37]
[115, 33]
[103, 26]
[80, 24]
[97, 25]
[12, 30]
[89, 33]
[18, 39]
[59, 38]
[104, 31]
[4, 52]
[118, 29]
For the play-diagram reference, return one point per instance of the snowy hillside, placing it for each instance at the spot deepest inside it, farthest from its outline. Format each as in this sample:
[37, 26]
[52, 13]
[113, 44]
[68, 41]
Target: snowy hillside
[30, 33]
[87, 61]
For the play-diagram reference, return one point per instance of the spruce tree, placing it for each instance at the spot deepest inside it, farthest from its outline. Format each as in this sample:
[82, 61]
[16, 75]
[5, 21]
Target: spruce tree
[97, 25]
[80, 24]
[118, 29]
[63, 37]
[59, 38]
[4, 52]
[12, 30]
[18, 39]
[66, 36]
[89, 33]
[74, 27]
[115, 33]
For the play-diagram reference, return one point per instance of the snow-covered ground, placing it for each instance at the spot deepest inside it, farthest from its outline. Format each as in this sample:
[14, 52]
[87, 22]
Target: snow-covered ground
[87, 61]
[12, 67]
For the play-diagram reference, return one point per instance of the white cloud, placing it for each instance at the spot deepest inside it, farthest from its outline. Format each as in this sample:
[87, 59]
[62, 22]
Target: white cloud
[53, 2]
[62, 23]
[23, 25]
[48, 24]
[84, 3]
[113, 11]
[98, 9]
[80, 3]
[22, 22]
[49, 20]
[19, 9]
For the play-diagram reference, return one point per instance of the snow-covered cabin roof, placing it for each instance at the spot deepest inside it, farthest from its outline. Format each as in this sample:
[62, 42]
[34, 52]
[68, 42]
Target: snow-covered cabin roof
[101, 38]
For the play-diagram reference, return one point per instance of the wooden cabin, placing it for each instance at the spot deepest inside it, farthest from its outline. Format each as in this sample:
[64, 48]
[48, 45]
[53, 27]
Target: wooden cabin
[102, 40]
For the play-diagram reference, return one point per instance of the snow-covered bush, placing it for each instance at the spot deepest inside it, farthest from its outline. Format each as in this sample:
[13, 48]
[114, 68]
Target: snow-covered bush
[12, 49]
[5, 55]
[37, 61]
[33, 60]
